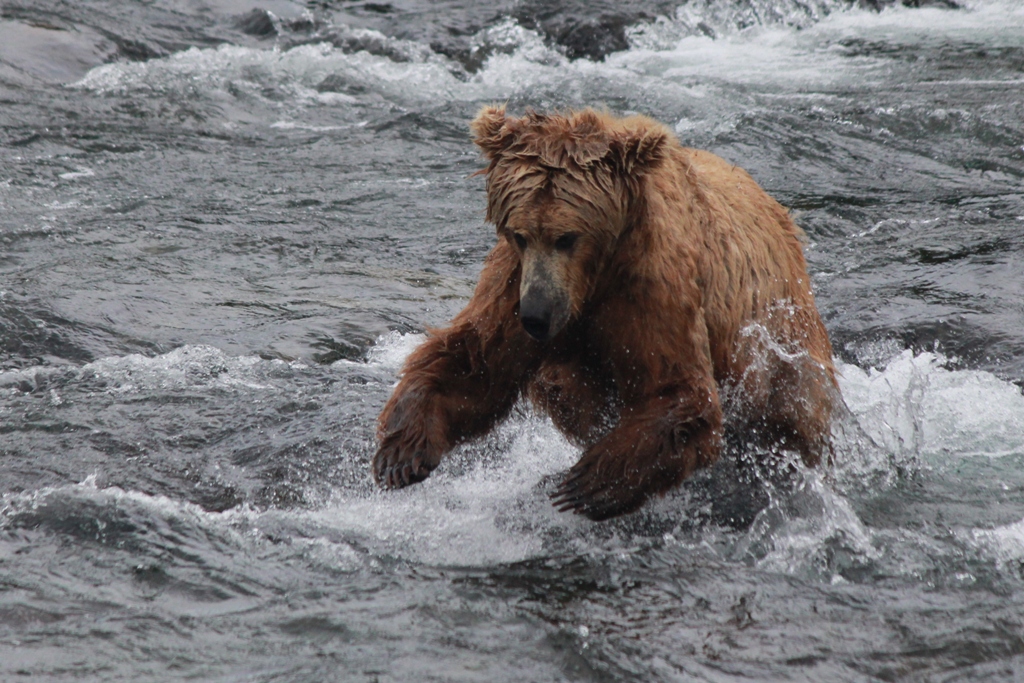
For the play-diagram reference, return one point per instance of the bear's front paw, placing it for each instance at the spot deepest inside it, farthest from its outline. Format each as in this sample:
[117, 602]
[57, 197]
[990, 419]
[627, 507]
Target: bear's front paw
[597, 488]
[394, 468]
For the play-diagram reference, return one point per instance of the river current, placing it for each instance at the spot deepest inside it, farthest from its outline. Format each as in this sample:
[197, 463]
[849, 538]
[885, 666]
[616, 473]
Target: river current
[223, 225]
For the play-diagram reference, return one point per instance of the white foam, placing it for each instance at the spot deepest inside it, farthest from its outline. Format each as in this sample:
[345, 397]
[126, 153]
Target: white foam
[917, 407]
[244, 72]
[791, 534]
[998, 22]
[508, 37]
[91, 490]
[391, 350]
[464, 514]
[766, 34]
[80, 173]
[238, 530]
[1004, 544]
[294, 125]
[186, 366]
[488, 514]
[913, 412]
[189, 366]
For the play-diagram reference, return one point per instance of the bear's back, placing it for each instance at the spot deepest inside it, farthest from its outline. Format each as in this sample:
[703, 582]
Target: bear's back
[752, 267]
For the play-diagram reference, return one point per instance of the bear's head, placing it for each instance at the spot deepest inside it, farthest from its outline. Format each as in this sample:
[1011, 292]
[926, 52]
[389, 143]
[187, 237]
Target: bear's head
[562, 189]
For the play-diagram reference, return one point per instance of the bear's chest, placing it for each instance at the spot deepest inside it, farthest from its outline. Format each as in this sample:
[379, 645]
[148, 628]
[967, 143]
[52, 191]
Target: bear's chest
[574, 386]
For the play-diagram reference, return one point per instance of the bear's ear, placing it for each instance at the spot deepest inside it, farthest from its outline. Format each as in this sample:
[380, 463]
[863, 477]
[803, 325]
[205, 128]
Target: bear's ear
[490, 132]
[641, 145]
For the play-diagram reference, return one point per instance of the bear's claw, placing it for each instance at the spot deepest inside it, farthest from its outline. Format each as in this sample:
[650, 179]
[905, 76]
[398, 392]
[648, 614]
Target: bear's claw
[395, 471]
[584, 494]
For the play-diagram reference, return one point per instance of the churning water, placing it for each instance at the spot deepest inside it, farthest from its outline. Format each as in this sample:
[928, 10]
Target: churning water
[221, 231]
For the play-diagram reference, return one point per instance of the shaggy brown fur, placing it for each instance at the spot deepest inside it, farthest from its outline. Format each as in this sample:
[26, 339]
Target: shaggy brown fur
[662, 283]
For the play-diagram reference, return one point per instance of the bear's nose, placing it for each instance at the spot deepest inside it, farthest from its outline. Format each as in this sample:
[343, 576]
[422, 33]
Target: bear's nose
[537, 326]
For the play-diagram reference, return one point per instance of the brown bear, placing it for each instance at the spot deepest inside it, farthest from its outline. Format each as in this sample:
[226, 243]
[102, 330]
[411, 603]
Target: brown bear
[637, 287]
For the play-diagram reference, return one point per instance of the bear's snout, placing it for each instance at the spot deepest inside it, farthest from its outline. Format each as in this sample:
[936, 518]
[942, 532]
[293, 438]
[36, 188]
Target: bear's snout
[543, 308]
[543, 314]
[537, 326]
[543, 301]
[536, 305]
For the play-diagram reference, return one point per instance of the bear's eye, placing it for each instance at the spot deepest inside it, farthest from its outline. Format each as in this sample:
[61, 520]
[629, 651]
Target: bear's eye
[520, 240]
[566, 241]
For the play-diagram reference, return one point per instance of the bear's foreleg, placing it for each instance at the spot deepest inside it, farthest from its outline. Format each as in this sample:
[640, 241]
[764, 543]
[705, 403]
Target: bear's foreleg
[653, 336]
[458, 383]
[452, 389]
[652, 449]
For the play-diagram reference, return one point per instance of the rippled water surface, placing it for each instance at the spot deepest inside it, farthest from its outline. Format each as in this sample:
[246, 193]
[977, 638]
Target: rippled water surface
[223, 225]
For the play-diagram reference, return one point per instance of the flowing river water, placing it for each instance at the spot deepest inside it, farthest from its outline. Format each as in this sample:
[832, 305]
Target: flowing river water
[224, 224]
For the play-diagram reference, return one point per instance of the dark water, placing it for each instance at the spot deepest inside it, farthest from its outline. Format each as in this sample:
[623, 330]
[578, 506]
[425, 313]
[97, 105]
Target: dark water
[221, 231]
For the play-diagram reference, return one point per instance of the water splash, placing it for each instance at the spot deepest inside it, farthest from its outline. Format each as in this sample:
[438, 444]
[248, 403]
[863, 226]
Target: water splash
[917, 408]
[187, 367]
[487, 504]
[719, 18]
[298, 75]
